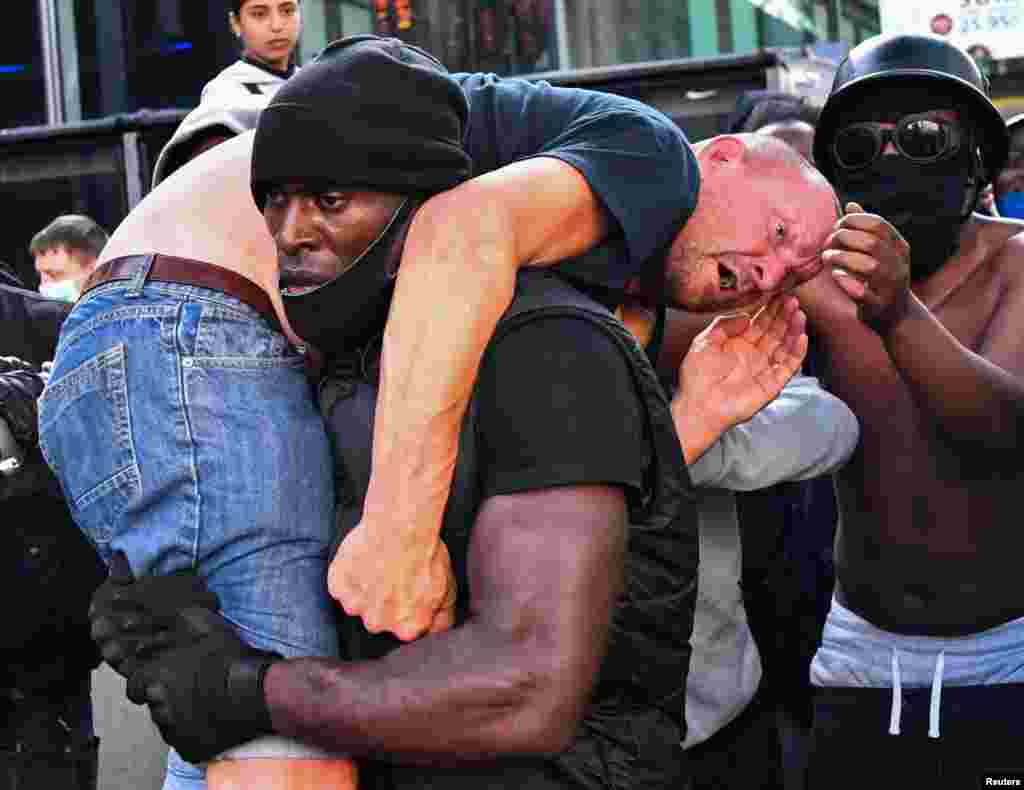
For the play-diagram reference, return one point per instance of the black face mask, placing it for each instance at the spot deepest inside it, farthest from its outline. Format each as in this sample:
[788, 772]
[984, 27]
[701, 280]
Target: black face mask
[927, 203]
[346, 311]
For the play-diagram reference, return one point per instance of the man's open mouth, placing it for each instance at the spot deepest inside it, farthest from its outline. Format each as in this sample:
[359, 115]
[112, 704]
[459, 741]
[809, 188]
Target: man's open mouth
[727, 280]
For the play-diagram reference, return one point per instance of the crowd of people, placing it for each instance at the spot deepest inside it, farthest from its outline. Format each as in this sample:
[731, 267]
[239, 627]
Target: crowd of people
[446, 429]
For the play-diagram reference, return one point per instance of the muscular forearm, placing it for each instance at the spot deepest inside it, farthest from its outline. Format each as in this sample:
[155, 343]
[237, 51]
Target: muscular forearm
[456, 279]
[545, 568]
[454, 285]
[973, 400]
[467, 694]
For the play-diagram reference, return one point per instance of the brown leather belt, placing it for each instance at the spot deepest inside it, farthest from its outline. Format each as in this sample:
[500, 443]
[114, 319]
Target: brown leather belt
[183, 271]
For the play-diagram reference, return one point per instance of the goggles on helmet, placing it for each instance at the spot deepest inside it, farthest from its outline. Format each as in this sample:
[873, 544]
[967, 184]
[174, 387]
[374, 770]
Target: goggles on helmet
[920, 138]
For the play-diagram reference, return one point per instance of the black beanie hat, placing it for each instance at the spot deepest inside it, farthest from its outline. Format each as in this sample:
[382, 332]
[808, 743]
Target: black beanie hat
[370, 112]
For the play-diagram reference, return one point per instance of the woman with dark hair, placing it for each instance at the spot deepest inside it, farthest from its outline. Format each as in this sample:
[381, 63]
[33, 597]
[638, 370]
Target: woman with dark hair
[269, 32]
[231, 102]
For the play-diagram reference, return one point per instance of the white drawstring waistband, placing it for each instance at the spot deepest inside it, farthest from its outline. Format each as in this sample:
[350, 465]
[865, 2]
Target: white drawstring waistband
[897, 695]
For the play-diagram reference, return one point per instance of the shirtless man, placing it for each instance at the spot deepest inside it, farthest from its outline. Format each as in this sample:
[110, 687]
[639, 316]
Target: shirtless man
[922, 338]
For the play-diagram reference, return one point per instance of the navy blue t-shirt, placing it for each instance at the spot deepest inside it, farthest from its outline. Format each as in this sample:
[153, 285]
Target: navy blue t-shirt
[635, 159]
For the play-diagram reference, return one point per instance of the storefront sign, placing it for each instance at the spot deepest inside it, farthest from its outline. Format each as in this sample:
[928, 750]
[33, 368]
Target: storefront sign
[988, 29]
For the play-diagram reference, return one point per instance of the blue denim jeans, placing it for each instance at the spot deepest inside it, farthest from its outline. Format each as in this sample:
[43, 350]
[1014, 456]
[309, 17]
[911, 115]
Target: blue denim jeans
[181, 428]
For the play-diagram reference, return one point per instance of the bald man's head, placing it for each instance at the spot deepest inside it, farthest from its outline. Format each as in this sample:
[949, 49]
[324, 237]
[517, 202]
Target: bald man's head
[762, 217]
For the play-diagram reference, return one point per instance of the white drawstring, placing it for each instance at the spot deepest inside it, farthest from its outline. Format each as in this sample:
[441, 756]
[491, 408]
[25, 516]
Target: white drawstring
[933, 714]
[897, 696]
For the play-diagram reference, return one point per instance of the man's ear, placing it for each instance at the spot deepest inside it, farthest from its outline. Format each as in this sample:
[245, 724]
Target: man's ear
[235, 27]
[725, 150]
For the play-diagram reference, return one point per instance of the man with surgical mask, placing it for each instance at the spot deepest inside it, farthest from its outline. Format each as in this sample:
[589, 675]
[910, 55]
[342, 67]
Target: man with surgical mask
[65, 253]
[1009, 183]
[919, 314]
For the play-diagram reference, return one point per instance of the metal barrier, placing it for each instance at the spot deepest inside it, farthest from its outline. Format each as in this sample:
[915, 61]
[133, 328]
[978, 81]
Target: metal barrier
[100, 168]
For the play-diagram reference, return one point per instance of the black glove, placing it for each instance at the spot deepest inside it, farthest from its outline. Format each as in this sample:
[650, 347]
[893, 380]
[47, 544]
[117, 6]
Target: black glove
[20, 386]
[203, 685]
[205, 696]
[129, 618]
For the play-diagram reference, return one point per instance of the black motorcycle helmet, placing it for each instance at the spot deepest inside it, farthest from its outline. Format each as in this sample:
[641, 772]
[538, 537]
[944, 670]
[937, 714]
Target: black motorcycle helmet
[923, 61]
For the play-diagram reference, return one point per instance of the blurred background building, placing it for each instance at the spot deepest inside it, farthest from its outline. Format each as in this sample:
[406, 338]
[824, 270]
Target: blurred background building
[75, 60]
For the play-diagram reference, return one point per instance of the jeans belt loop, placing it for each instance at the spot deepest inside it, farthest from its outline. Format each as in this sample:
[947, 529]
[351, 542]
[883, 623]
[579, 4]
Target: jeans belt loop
[141, 275]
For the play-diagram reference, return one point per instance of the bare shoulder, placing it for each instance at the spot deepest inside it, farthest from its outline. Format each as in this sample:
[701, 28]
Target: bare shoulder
[1002, 243]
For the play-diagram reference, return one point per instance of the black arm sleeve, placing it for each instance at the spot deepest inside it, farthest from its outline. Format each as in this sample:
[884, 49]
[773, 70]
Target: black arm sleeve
[558, 406]
[18, 392]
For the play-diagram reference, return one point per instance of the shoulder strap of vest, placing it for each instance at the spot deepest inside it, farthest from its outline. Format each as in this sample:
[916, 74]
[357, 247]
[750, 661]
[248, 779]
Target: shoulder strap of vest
[538, 289]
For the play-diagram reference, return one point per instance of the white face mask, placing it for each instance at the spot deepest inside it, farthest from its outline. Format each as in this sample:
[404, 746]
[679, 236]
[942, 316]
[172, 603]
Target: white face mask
[64, 290]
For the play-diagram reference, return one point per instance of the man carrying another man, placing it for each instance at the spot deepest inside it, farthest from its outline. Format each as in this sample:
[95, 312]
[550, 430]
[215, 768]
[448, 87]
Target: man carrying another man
[204, 212]
[514, 676]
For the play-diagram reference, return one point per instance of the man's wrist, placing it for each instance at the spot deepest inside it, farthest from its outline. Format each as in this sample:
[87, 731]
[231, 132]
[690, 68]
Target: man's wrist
[891, 326]
[245, 690]
[411, 508]
[697, 431]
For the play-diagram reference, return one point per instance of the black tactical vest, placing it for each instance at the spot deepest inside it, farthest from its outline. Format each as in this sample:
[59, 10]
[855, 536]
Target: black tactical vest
[635, 723]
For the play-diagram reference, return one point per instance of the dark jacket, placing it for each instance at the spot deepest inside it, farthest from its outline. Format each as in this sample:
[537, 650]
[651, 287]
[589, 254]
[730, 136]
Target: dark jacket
[29, 322]
[48, 570]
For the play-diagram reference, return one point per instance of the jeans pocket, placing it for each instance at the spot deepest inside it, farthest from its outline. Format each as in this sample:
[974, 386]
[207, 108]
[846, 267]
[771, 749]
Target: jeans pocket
[86, 438]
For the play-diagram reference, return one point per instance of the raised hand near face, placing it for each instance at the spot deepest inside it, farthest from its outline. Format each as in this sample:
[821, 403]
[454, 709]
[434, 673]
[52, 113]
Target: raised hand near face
[734, 368]
[870, 261]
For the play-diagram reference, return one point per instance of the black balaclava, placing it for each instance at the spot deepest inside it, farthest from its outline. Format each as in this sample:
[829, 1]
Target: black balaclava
[372, 114]
[352, 308]
[927, 203]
